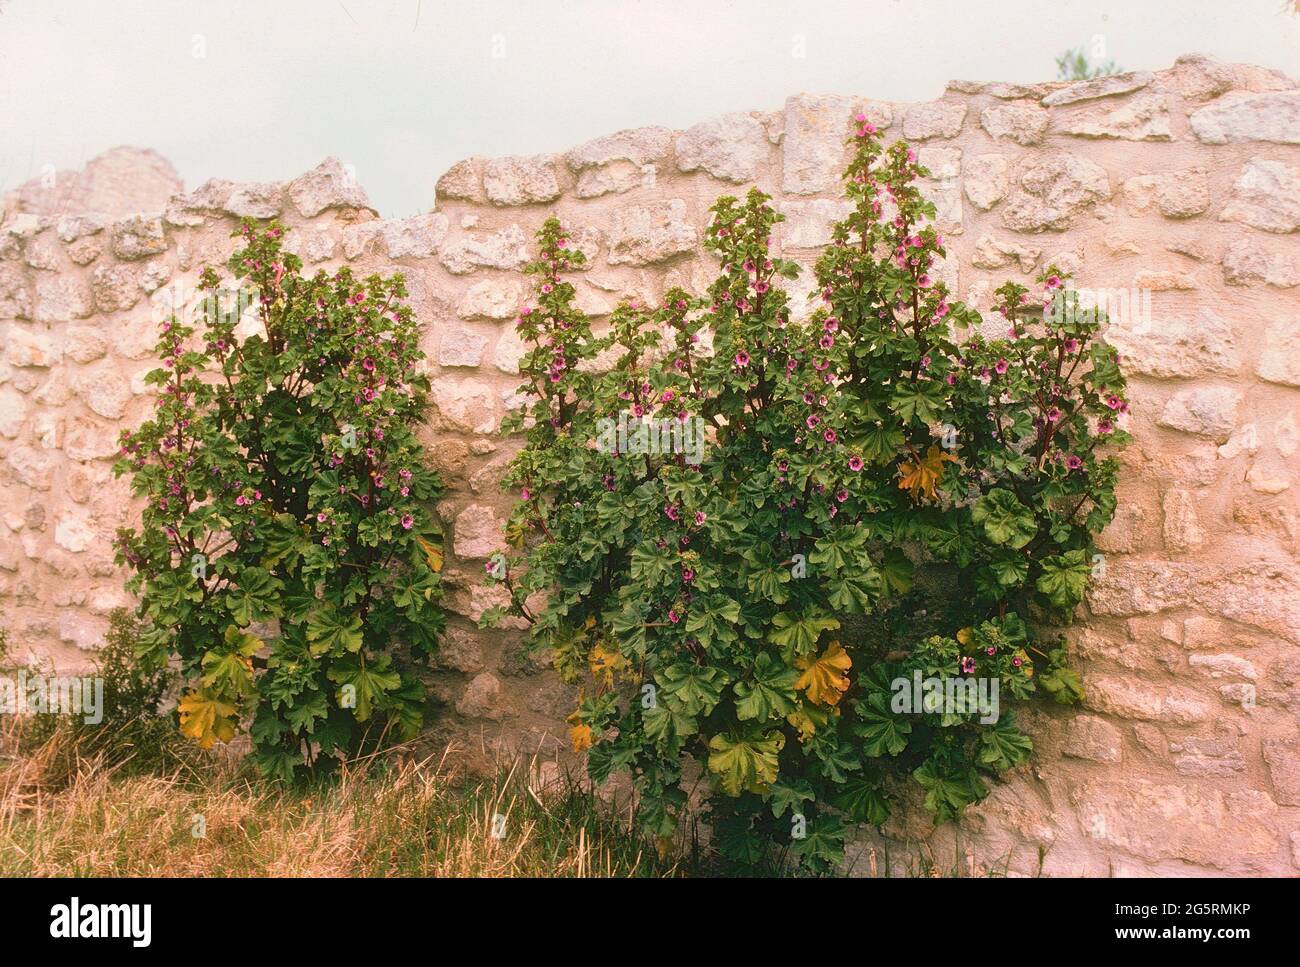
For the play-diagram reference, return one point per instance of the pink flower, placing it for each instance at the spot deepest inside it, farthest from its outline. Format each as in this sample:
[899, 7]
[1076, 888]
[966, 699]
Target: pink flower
[855, 464]
[967, 665]
[742, 358]
[1001, 366]
[671, 511]
[1074, 462]
[700, 517]
[829, 436]
[407, 521]
[1053, 414]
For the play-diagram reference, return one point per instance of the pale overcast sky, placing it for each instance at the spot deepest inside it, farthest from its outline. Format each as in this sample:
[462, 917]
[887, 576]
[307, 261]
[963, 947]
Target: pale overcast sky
[401, 89]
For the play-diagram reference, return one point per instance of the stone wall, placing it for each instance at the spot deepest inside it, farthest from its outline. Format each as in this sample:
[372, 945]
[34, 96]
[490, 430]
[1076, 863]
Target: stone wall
[1183, 185]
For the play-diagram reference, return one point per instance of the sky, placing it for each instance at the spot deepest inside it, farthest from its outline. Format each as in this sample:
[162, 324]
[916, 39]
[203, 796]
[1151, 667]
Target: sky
[262, 90]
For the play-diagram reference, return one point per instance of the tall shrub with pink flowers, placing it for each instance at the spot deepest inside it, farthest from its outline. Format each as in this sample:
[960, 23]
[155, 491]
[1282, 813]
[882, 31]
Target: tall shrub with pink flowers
[892, 491]
[288, 555]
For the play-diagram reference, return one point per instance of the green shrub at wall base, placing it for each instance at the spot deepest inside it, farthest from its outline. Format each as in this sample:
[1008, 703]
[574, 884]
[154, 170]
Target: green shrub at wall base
[288, 554]
[889, 492]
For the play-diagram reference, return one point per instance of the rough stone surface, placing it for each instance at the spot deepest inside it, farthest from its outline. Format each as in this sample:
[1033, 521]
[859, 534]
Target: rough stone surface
[491, 299]
[504, 249]
[1249, 261]
[1211, 411]
[1025, 124]
[1146, 117]
[1050, 191]
[1266, 196]
[1176, 346]
[521, 181]
[940, 119]
[478, 533]
[731, 147]
[645, 234]
[118, 182]
[461, 346]
[138, 237]
[1176, 194]
[1093, 738]
[1100, 87]
[328, 185]
[816, 127]
[1239, 116]
[808, 224]
[984, 180]
[1279, 360]
[480, 698]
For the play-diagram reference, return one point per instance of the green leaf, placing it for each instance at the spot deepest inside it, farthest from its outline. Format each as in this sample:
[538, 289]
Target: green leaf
[745, 761]
[1002, 745]
[790, 796]
[254, 596]
[947, 793]
[691, 689]
[330, 631]
[666, 727]
[883, 732]
[230, 671]
[822, 846]
[1065, 578]
[770, 694]
[1006, 520]
[797, 634]
[862, 800]
[371, 681]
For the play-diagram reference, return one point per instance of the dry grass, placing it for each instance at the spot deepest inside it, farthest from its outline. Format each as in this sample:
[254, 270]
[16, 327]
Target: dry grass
[64, 812]
[380, 818]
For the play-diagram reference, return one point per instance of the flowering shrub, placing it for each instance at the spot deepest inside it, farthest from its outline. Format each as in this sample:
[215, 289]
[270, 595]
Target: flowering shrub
[283, 480]
[878, 506]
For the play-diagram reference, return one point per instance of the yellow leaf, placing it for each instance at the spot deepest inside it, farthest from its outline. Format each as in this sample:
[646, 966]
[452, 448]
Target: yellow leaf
[664, 846]
[606, 664]
[964, 636]
[206, 718]
[807, 719]
[920, 477]
[432, 554]
[579, 733]
[580, 736]
[825, 679]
